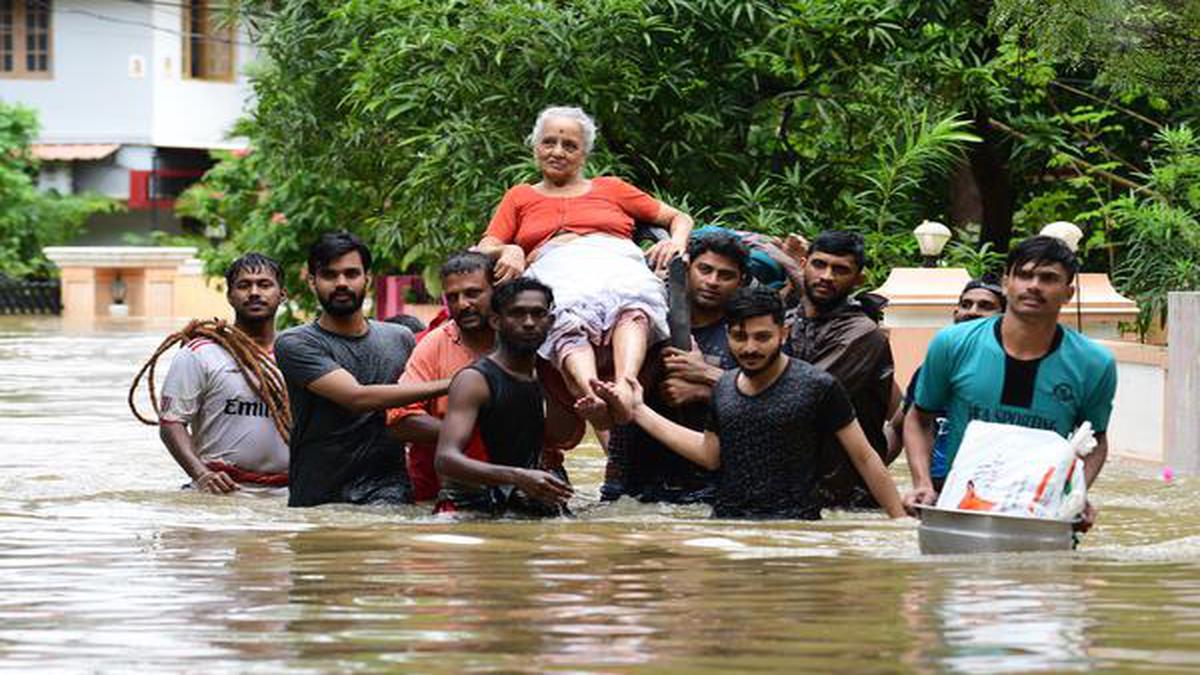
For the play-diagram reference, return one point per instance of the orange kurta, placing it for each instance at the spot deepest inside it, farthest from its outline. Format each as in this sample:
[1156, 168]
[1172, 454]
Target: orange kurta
[528, 218]
[440, 354]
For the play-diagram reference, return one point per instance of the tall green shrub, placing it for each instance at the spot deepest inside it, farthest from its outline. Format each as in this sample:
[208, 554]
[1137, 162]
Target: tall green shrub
[1163, 231]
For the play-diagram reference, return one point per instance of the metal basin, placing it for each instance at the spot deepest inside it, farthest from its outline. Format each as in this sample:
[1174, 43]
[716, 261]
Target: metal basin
[958, 531]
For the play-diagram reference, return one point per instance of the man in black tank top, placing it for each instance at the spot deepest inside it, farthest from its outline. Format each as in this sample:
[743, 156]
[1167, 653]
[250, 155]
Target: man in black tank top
[490, 446]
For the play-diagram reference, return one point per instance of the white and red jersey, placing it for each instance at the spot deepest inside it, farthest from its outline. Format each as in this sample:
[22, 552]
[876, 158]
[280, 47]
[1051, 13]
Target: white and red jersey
[228, 421]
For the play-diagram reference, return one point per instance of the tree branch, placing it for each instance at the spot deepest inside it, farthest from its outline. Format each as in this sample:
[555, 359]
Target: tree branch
[1091, 138]
[1088, 95]
[1108, 176]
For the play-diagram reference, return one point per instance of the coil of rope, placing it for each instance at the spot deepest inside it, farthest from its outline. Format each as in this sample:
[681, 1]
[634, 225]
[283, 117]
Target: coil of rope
[260, 372]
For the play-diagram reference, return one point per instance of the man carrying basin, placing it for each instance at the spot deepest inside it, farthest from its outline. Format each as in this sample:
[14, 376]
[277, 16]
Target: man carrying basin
[766, 423]
[1020, 368]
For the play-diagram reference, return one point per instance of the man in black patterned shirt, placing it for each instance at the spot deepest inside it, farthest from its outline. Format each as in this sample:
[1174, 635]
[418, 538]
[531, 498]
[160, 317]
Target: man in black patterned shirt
[682, 382]
[767, 421]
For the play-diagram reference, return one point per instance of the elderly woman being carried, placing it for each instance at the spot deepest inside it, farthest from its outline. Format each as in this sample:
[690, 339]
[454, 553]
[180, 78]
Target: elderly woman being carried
[575, 234]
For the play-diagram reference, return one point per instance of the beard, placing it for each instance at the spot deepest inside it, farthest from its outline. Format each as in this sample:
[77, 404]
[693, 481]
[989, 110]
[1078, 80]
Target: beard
[342, 307]
[823, 304]
[767, 364]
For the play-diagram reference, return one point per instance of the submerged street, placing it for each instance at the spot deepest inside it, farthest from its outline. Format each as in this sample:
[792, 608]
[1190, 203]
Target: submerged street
[108, 566]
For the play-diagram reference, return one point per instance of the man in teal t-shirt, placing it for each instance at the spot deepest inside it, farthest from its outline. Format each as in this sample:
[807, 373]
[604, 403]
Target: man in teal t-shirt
[1022, 368]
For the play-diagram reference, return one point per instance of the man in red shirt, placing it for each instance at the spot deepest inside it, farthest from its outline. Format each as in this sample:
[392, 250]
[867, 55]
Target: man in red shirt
[441, 353]
[447, 349]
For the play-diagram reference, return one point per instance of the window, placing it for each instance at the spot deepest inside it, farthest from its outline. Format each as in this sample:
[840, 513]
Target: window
[25, 38]
[158, 189]
[207, 43]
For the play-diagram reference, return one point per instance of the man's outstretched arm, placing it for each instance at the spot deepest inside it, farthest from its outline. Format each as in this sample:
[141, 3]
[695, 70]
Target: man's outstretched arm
[343, 389]
[701, 448]
[871, 468]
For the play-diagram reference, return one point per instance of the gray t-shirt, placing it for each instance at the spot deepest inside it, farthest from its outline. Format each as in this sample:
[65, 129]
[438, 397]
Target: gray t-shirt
[338, 455]
[770, 442]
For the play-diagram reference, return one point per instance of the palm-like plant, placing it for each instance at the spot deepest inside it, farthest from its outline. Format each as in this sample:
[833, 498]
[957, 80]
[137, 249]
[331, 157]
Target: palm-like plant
[1163, 247]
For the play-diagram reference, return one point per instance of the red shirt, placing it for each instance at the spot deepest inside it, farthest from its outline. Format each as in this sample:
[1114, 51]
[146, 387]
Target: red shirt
[528, 218]
[440, 354]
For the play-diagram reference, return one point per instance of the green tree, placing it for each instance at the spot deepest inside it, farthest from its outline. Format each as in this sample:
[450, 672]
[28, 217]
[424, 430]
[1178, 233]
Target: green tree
[31, 219]
[1138, 46]
[1119, 133]
[403, 120]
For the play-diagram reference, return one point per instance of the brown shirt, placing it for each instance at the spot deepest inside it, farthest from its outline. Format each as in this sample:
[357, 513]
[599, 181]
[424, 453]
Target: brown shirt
[849, 344]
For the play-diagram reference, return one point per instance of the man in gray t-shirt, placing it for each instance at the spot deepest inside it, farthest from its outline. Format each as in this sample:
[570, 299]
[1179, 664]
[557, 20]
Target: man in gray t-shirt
[340, 455]
[771, 440]
[341, 373]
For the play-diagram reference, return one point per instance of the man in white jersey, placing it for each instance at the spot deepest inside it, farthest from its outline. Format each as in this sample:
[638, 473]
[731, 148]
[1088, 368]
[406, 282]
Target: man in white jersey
[212, 421]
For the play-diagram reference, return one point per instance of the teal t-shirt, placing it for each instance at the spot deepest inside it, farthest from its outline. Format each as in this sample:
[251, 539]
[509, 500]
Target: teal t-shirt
[968, 374]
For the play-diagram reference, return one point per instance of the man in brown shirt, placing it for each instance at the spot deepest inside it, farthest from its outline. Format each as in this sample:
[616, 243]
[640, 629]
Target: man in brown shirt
[841, 335]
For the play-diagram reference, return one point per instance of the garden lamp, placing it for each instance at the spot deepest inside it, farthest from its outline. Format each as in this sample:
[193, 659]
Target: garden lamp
[1069, 233]
[216, 232]
[931, 237]
[117, 288]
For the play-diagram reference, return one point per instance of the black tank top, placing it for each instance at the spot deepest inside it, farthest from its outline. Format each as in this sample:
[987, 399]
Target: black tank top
[512, 421]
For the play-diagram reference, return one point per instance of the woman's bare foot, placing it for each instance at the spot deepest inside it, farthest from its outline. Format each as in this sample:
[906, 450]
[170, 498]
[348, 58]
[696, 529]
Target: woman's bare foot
[796, 246]
[620, 409]
[593, 409]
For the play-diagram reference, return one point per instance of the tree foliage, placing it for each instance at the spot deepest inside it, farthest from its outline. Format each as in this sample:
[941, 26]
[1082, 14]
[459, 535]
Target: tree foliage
[29, 218]
[404, 120]
[1141, 46]
[1163, 246]
[1116, 124]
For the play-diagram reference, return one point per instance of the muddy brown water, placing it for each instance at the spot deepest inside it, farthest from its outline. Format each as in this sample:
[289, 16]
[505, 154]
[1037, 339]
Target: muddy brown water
[106, 566]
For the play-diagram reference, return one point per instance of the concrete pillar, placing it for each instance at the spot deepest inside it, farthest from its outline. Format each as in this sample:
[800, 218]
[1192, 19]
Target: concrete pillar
[1183, 383]
[921, 301]
[150, 275]
[79, 293]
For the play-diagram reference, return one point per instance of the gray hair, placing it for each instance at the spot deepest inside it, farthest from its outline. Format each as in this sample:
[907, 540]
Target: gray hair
[571, 113]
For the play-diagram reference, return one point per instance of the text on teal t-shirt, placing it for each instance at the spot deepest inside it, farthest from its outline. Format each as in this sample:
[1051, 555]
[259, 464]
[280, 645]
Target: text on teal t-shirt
[968, 374]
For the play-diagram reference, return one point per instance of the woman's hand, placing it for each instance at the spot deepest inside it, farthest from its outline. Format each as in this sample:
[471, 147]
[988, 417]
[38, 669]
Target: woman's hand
[661, 253]
[510, 264]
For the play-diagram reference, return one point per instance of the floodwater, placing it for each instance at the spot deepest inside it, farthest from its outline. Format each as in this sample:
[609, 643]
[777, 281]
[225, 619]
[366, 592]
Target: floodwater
[106, 565]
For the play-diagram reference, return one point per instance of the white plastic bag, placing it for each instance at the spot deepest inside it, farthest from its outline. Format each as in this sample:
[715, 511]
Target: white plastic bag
[1010, 469]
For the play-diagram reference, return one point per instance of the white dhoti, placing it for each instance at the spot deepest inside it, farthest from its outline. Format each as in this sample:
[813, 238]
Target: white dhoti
[597, 279]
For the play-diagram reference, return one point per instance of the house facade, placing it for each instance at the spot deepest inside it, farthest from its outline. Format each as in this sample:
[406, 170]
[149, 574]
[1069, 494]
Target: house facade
[132, 95]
